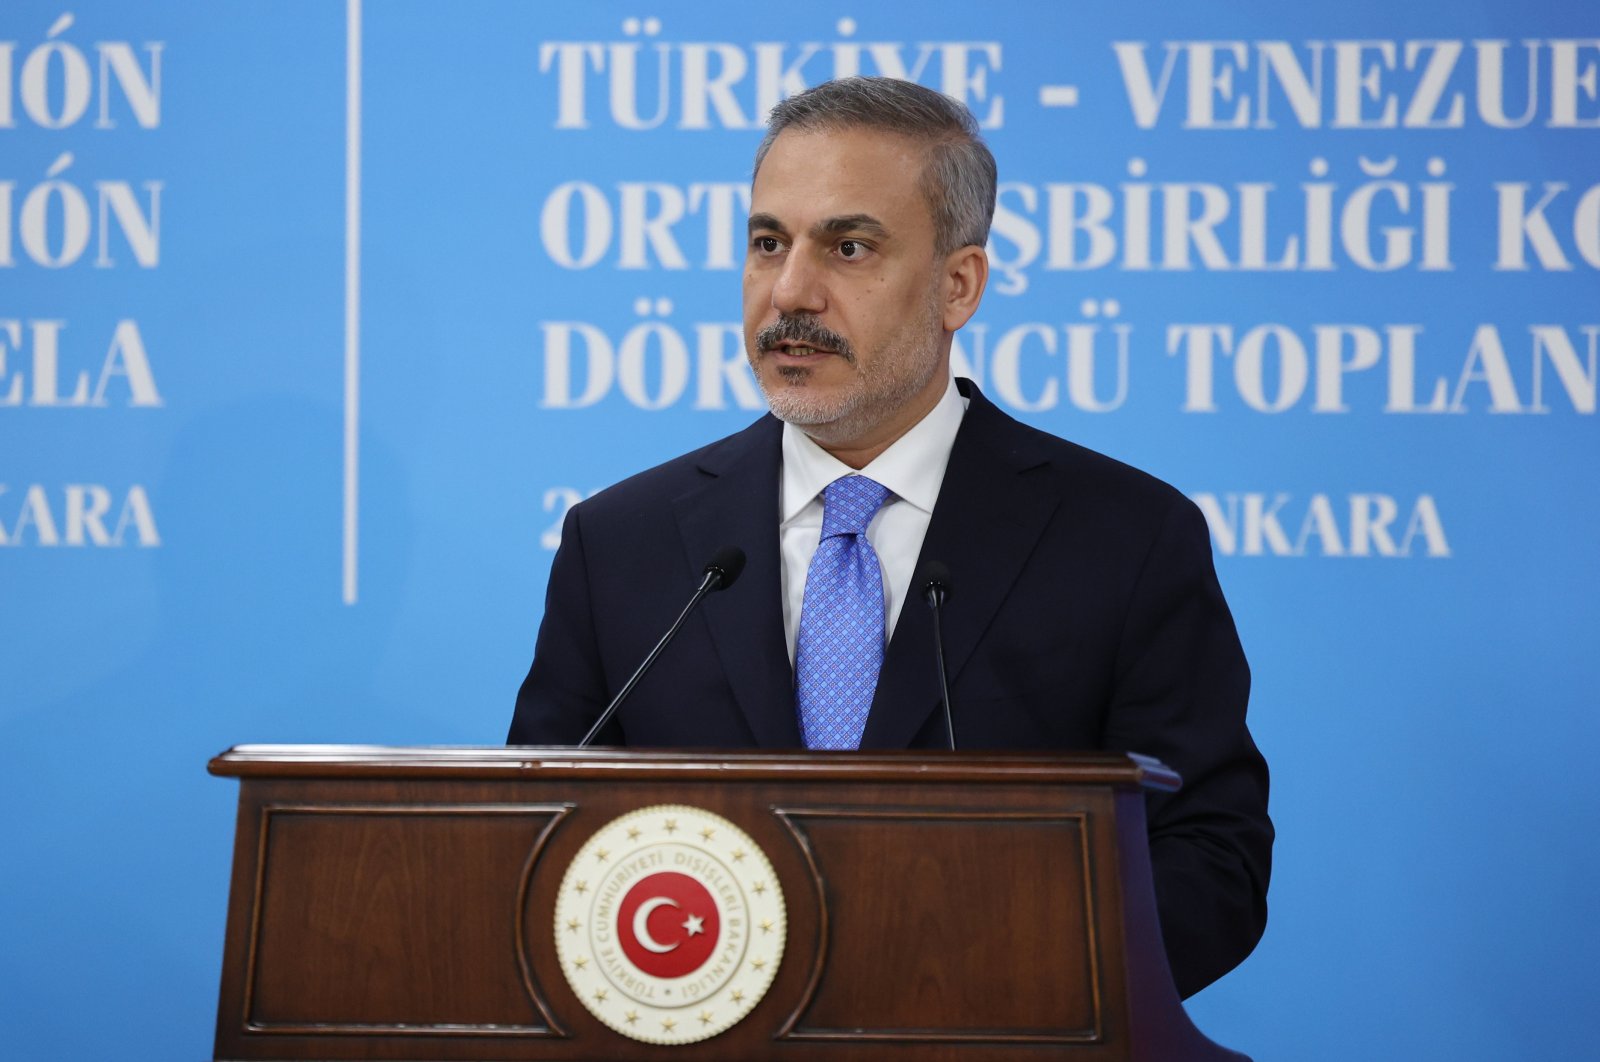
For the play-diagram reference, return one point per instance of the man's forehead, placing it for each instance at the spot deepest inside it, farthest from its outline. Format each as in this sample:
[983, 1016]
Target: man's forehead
[854, 140]
[813, 175]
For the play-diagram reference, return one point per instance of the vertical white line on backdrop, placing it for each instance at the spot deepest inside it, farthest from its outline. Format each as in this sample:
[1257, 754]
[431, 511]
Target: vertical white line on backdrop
[352, 295]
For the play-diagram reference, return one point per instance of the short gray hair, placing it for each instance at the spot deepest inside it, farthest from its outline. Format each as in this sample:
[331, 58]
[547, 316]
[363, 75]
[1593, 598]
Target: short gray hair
[958, 179]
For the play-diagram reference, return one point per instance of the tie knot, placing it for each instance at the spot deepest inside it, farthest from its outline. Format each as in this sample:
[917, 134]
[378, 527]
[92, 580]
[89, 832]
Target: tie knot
[848, 505]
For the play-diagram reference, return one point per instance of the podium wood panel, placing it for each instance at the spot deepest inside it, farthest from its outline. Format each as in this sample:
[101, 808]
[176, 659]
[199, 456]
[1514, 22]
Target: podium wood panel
[956, 974]
[398, 904]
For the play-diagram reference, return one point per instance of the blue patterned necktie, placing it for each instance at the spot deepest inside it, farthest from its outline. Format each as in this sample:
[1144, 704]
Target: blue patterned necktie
[840, 645]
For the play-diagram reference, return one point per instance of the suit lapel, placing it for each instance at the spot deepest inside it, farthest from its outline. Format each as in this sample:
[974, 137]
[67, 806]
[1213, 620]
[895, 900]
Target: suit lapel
[738, 506]
[992, 508]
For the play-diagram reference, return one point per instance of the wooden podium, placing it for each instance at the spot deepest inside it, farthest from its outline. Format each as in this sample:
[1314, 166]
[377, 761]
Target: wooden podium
[401, 903]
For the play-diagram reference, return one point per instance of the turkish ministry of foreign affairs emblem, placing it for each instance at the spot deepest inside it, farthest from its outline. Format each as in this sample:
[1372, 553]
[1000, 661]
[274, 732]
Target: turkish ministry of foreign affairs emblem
[670, 924]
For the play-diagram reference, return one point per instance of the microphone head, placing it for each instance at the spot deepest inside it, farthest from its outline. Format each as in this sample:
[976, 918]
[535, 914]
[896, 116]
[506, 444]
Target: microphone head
[727, 563]
[932, 580]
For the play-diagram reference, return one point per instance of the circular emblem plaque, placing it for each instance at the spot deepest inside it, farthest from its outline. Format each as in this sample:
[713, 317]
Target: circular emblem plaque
[670, 924]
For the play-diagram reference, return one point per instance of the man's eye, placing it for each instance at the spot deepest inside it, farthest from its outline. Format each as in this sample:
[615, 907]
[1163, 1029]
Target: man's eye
[850, 249]
[767, 244]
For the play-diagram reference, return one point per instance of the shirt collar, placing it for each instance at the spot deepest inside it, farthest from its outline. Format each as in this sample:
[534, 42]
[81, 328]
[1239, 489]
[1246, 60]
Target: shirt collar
[912, 467]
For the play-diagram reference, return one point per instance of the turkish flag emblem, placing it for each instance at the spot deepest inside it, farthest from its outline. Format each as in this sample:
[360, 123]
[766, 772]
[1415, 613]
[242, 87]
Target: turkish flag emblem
[668, 925]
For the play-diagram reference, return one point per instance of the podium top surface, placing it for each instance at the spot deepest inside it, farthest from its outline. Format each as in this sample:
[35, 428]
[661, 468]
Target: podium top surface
[921, 766]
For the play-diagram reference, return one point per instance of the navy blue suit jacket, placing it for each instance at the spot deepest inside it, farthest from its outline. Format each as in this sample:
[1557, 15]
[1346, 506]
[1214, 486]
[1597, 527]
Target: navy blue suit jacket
[1085, 614]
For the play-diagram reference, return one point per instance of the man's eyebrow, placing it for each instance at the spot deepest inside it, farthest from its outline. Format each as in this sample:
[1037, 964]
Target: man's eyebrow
[865, 224]
[759, 222]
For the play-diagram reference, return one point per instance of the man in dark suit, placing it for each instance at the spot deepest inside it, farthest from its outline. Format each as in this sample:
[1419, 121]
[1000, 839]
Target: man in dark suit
[1085, 614]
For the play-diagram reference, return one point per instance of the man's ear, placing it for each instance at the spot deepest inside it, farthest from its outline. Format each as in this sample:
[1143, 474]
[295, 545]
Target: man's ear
[966, 273]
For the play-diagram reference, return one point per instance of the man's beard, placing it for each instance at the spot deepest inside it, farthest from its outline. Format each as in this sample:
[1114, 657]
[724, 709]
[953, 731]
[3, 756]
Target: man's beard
[896, 372]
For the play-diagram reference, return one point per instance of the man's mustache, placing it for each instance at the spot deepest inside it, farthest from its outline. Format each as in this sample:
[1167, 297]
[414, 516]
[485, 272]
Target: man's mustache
[806, 330]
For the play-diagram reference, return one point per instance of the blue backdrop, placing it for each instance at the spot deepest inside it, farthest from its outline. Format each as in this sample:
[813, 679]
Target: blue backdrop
[314, 319]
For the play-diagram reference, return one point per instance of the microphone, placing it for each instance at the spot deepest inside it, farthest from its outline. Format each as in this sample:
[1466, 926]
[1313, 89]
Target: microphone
[933, 580]
[720, 573]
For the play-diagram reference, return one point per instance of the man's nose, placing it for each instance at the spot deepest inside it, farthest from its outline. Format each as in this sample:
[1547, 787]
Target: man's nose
[799, 287]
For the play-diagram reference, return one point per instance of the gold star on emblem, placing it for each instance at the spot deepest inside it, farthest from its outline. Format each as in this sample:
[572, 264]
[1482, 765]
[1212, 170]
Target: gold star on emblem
[760, 964]
[603, 854]
[671, 826]
[668, 1024]
[581, 961]
[738, 855]
[581, 887]
[705, 1017]
[705, 834]
[760, 887]
[766, 925]
[738, 995]
[572, 925]
[633, 833]
[601, 994]
[631, 1017]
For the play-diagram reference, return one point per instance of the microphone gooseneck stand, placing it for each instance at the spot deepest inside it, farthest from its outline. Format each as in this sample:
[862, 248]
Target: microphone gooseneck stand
[720, 573]
[933, 579]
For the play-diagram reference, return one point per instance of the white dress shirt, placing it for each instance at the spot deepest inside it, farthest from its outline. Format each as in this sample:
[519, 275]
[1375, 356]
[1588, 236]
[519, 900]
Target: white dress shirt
[912, 468]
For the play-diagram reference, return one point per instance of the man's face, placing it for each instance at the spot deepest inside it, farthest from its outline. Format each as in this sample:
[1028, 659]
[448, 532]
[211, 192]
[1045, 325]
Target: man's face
[843, 318]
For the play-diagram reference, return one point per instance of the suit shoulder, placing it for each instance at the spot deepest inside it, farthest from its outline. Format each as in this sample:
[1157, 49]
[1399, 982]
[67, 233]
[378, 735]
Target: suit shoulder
[628, 497]
[1118, 477]
[1091, 475]
[1097, 478]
